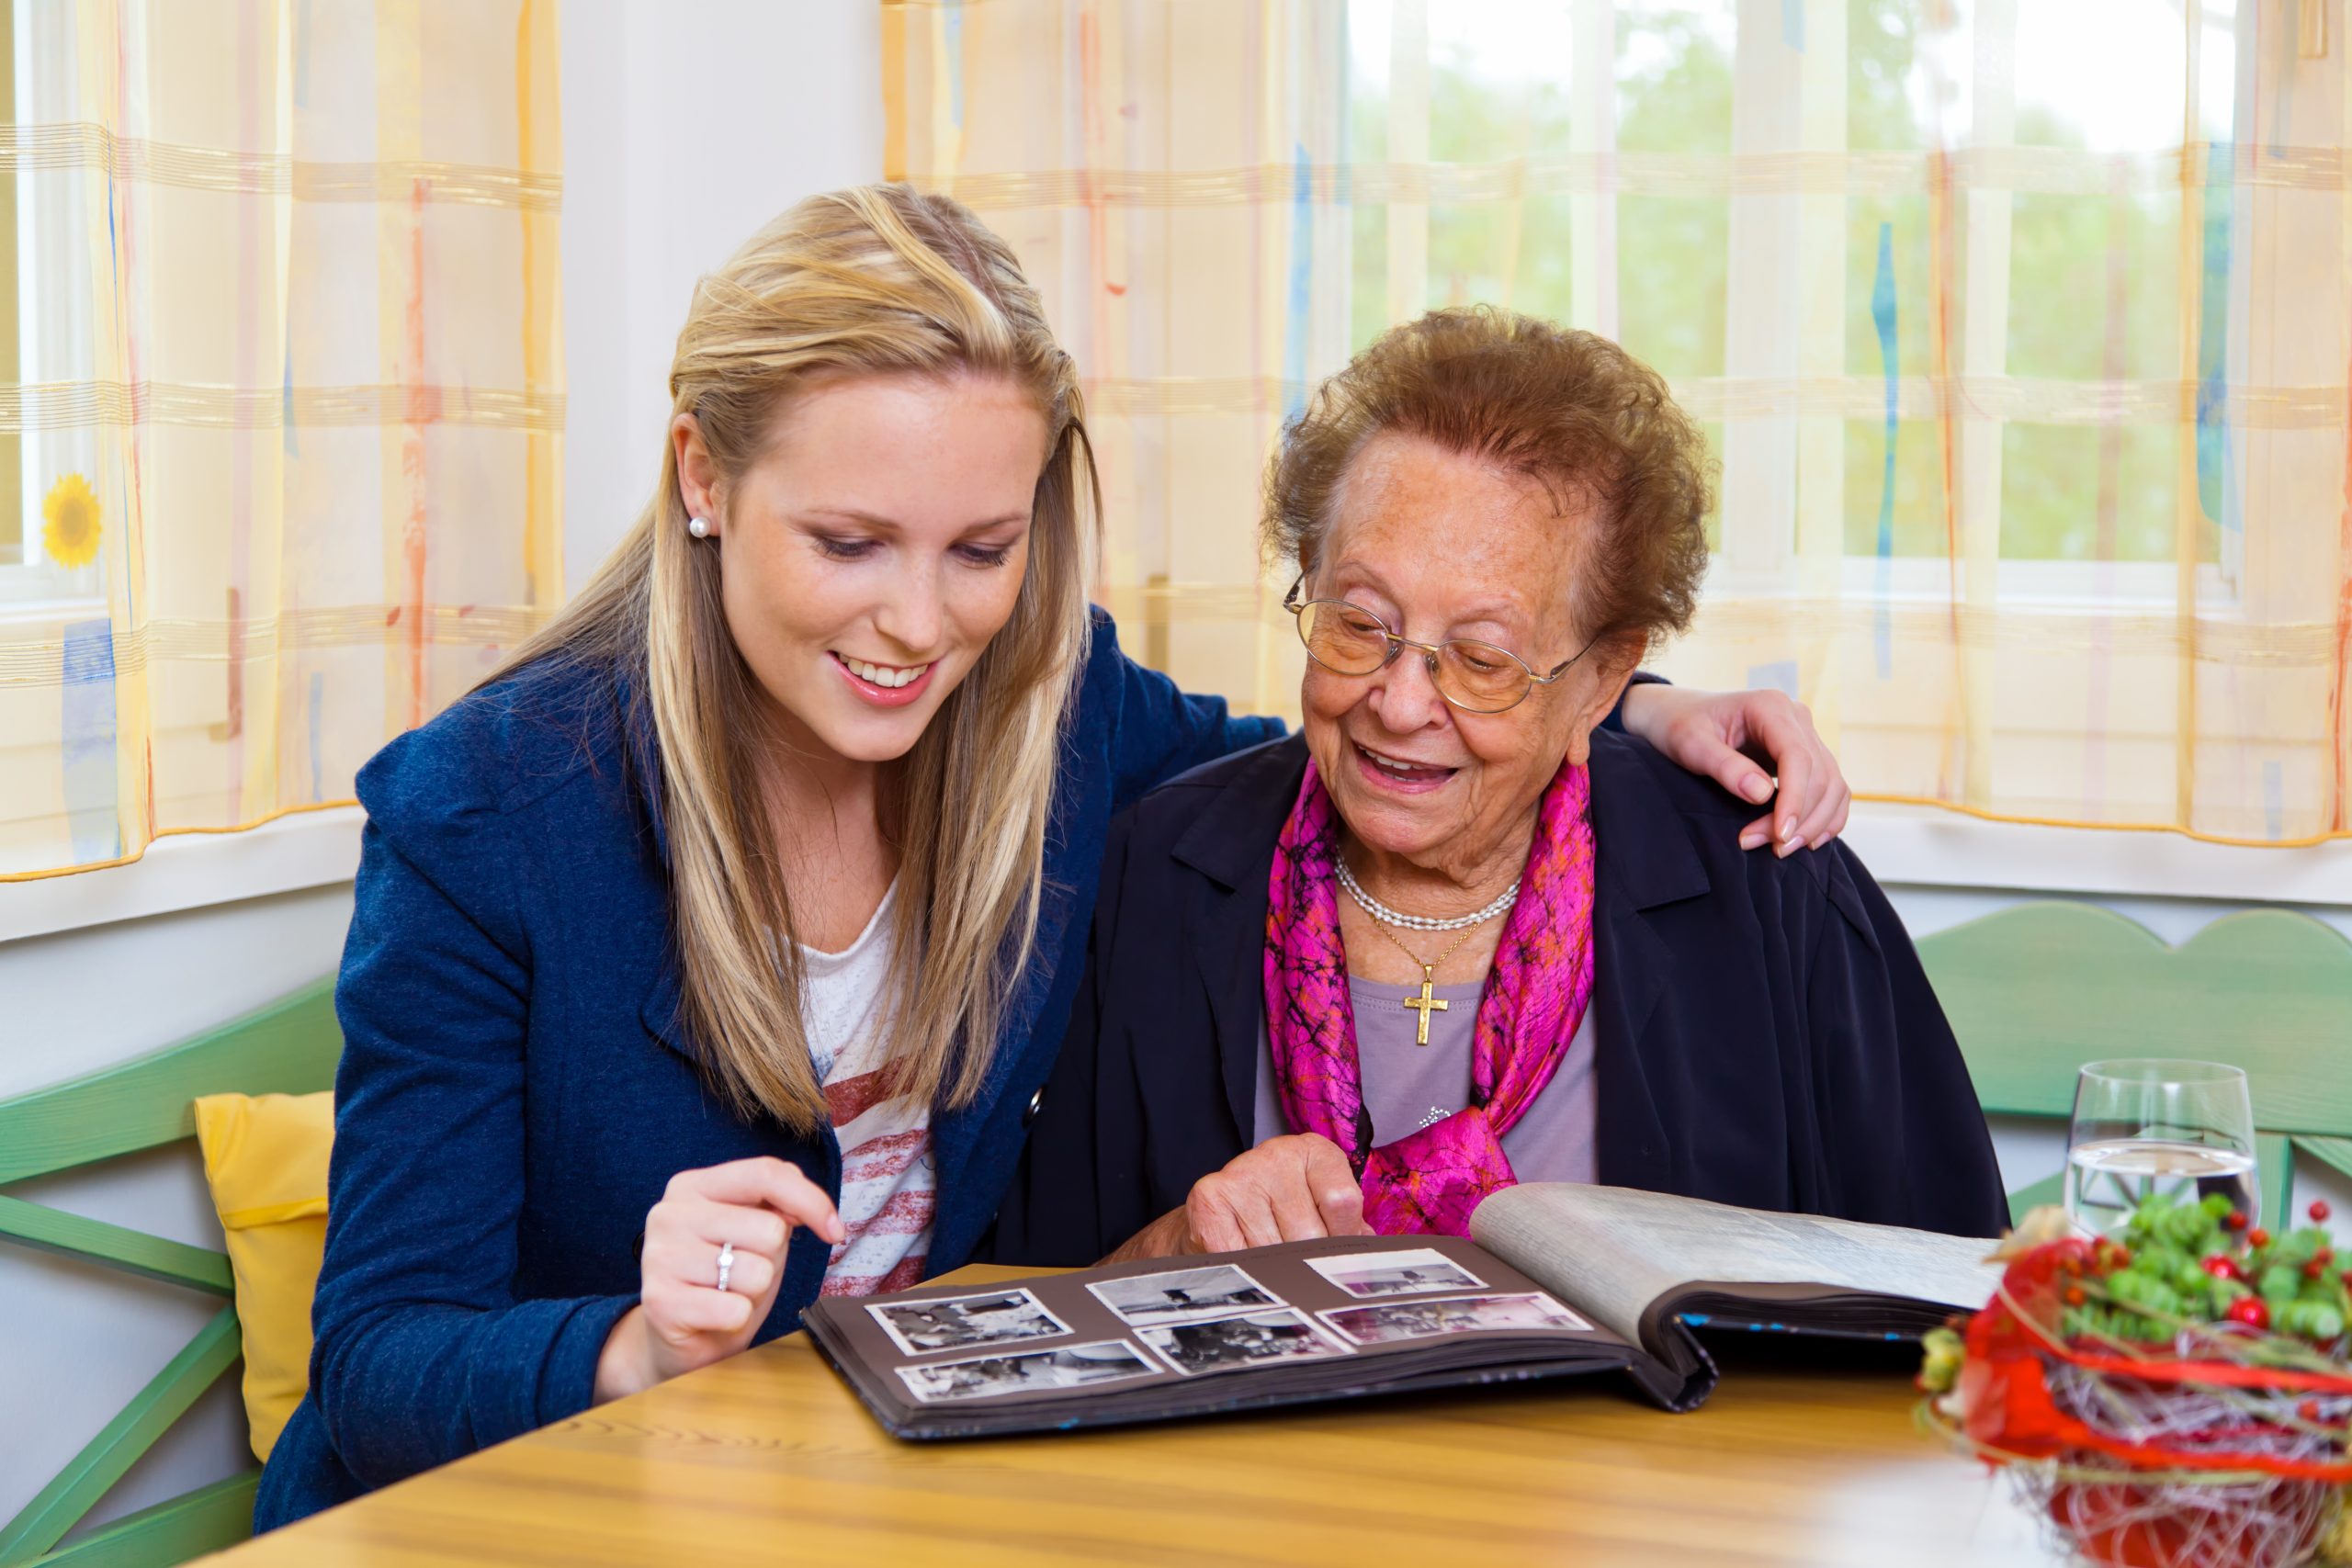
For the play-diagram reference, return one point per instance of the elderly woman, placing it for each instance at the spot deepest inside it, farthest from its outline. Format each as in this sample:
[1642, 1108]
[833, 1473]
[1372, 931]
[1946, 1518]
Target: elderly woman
[1456, 934]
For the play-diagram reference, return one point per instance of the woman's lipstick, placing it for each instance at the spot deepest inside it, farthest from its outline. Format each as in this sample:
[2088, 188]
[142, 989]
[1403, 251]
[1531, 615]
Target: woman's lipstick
[883, 696]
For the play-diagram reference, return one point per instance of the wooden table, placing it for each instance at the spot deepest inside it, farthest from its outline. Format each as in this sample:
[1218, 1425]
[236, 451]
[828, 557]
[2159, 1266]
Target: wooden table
[1800, 1458]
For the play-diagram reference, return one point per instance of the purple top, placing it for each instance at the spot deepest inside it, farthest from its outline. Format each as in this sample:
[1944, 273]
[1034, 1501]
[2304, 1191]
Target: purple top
[1407, 1086]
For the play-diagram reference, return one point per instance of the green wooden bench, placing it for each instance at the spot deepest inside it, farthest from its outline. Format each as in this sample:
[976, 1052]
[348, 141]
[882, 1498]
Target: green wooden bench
[2035, 992]
[289, 1048]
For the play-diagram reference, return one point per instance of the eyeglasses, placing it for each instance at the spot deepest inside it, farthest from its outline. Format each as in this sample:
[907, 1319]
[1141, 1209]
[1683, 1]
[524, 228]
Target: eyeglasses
[1477, 677]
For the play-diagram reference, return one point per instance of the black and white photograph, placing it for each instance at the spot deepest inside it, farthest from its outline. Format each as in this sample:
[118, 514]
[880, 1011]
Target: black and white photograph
[1390, 1322]
[1247, 1340]
[958, 1323]
[1184, 1294]
[1396, 1273]
[1029, 1371]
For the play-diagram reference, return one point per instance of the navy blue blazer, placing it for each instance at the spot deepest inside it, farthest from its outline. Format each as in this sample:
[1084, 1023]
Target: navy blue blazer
[1765, 1035]
[516, 1091]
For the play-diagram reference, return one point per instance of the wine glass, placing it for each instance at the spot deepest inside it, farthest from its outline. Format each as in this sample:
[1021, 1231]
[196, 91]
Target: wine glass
[2152, 1126]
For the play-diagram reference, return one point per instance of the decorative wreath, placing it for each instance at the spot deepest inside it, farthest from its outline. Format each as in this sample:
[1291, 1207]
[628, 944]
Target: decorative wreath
[2172, 1398]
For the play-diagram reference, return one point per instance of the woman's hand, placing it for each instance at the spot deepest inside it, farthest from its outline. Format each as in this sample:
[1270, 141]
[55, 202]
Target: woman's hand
[1725, 735]
[683, 1320]
[1289, 1189]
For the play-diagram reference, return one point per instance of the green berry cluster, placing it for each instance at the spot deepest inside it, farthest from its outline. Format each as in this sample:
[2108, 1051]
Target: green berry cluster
[2178, 1265]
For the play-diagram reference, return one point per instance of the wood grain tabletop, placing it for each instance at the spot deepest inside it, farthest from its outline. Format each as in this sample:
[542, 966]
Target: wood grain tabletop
[1805, 1455]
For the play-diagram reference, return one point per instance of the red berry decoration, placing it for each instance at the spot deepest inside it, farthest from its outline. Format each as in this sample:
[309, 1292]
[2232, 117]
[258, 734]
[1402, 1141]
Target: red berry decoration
[2245, 1389]
[2319, 1210]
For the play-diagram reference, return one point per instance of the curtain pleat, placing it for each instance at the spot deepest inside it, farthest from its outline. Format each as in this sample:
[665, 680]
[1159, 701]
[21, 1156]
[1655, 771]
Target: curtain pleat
[284, 413]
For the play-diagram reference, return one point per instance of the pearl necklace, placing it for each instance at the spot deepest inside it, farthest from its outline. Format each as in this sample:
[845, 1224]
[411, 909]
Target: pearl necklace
[1386, 915]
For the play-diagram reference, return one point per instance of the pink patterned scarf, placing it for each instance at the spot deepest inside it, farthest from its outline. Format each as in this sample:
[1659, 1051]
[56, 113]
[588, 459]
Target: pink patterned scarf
[1535, 997]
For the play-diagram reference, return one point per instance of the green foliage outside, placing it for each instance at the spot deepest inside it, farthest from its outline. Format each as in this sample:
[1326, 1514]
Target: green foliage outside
[2086, 272]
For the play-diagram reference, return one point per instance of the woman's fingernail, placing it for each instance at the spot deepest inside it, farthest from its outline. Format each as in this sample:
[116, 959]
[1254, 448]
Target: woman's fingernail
[1789, 833]
[1757, 788]
[1752, 839]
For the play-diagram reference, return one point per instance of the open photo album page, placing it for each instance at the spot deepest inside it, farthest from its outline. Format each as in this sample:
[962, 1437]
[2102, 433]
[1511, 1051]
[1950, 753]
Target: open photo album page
[1325, 1316]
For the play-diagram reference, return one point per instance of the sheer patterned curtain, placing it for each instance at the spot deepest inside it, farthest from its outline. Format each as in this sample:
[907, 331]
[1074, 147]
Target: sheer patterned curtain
[280, 317]
[2020, 331]
[1172, 176]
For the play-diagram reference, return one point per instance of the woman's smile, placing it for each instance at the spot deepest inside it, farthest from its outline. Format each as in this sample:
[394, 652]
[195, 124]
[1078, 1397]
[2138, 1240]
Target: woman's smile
[1401, 775]
[884, 685]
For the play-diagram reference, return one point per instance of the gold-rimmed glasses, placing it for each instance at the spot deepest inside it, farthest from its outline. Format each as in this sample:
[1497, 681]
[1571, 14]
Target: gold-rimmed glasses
[1477, 677]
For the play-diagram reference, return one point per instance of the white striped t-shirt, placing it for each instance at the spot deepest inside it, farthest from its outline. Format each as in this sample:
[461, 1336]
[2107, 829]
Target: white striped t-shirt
[889, 1184]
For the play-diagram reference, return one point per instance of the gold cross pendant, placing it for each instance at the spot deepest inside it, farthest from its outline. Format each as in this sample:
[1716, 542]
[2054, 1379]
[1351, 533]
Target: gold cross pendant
[1424, 1002]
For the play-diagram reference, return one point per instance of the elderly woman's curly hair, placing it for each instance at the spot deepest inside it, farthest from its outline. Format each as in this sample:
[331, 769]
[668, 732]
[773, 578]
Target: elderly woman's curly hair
[1574, 411]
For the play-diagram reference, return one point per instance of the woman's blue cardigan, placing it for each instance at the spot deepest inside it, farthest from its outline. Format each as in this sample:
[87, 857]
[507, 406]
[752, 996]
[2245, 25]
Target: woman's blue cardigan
[515, 1090]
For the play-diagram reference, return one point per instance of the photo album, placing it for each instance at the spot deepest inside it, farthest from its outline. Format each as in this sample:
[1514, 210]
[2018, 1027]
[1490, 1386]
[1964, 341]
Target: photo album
[1560, 1279]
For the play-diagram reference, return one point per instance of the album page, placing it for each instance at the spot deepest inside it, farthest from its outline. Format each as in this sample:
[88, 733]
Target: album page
[1172, 1336]
[1628, 1259]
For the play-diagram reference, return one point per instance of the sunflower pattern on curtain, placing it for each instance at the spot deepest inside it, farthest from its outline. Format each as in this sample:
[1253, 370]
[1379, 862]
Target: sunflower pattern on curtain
[284, 429]
[2020, 332]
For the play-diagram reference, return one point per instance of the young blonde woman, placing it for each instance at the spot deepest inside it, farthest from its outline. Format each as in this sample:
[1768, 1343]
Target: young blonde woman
[714, 955]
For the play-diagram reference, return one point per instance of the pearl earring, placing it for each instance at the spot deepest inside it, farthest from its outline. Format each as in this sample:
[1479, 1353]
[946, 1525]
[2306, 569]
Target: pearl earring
[698, 528]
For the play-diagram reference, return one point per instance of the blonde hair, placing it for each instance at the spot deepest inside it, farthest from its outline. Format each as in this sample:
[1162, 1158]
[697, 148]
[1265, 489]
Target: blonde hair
[879, 279]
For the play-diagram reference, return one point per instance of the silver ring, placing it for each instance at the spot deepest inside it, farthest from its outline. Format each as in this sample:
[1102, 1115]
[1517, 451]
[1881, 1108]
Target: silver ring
[726, 1263]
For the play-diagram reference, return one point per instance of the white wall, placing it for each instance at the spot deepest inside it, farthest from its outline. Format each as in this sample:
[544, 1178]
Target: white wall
[686, 126]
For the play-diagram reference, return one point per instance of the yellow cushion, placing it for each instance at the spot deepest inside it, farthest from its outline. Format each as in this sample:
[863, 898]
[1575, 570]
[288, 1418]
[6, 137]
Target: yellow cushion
[265, 1160]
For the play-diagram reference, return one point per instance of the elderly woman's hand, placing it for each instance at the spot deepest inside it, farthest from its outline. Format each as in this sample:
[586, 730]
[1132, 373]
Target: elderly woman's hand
[1289, 1189]
[1725, 735]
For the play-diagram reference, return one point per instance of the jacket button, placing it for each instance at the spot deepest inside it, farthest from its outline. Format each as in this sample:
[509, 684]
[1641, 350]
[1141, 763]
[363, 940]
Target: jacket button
[1036, 1100]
